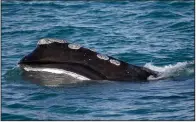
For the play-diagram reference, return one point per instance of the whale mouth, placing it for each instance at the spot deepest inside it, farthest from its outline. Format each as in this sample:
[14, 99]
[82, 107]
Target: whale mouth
[70, 75]
[51, 77]
[72, 70]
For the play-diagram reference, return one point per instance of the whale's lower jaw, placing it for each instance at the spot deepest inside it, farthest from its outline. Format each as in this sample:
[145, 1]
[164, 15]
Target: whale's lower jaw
[76, 72]
[52, 77]
[67, 71]
[70, 75]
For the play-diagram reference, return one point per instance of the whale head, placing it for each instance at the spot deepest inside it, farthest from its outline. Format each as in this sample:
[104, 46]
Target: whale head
[55, 53]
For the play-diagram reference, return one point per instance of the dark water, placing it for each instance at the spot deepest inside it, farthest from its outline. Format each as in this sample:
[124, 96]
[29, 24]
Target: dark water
[155, 34]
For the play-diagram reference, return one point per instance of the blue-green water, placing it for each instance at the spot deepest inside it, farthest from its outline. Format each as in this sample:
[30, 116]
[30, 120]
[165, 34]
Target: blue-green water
[155, 34]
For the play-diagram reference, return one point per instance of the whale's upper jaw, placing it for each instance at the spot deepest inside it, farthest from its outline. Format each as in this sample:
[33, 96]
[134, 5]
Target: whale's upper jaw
[51, 50]
[44, 52]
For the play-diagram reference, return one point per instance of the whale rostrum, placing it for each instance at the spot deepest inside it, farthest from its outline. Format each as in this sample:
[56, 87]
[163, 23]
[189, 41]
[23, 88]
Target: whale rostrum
[60, 54]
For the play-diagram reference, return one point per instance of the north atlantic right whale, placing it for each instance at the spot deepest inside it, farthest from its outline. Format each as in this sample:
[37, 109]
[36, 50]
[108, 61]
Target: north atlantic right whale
[82, 63]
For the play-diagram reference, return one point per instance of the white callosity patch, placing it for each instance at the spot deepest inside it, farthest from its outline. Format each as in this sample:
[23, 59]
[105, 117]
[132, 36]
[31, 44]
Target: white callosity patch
[74, 46]
[104, 57]
[115, 62]
[49, 41]
[57, 71]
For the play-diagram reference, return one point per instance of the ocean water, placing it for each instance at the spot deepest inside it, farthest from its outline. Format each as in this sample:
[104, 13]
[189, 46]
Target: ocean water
[156, 34]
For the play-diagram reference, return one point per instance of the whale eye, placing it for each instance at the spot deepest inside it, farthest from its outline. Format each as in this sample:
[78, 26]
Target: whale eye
[104, 57]
[115, 62]
[74, 46]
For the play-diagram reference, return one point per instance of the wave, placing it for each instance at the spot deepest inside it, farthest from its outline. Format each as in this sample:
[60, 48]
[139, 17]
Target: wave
[180, 69]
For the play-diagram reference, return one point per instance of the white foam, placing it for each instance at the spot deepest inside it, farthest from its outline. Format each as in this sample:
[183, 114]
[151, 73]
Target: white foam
[169, 70]
[57, 71]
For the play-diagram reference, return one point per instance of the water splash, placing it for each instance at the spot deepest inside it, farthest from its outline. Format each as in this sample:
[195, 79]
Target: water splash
[179, 69]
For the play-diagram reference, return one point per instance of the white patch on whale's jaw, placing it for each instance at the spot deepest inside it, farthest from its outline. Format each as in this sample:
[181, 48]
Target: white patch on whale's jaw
[57, 71]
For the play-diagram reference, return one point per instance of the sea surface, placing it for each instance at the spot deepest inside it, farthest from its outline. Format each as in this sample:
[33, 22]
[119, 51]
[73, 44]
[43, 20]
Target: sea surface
[156, 34]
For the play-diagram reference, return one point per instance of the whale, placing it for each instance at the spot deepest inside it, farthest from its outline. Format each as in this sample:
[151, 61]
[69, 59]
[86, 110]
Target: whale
[81, 63]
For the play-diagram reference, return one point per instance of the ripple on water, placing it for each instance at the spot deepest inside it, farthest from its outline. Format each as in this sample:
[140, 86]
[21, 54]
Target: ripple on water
[12, 117]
